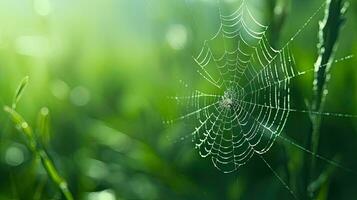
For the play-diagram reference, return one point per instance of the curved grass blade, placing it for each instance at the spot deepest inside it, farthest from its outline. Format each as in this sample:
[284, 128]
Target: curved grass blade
[19, 91]
[43, 126]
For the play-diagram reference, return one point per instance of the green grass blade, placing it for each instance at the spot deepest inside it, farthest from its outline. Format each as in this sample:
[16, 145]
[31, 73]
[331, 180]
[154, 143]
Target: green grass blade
[22, 126]
[43, 126]
[19, 91]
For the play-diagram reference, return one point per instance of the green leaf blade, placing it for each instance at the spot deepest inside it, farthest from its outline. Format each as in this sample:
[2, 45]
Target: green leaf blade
[19, 91]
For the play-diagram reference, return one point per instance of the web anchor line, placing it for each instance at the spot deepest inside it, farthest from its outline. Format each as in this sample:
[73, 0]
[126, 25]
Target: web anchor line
[279, 178]
[332, 162]
[298, 74]
[300, 111]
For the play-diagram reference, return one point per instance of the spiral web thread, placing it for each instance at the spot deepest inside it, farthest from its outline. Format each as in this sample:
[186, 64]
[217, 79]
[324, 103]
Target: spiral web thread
[252, 105]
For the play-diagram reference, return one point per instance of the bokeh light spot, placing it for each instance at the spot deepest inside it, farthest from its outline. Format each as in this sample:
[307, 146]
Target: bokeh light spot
[42, 7]
[59, 89]
[102, 195]
[14, 156]
[80, 96]
[176, 36]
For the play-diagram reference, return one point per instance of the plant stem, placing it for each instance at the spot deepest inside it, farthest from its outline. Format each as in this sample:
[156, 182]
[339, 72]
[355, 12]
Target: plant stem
[39, 152]
[53, 174]
[278, 12]
[328, 35]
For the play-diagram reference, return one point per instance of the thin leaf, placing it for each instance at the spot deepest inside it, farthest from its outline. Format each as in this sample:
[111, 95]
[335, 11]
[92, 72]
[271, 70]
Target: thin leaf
[50, 168]
[19, 91]
[329, 32]
[43, 126]
[22, 126]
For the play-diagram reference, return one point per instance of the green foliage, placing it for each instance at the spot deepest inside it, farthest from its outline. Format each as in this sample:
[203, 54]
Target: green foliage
[104, 69]
[19, 91]
[43, 126]
[329, 31]
[31, 139]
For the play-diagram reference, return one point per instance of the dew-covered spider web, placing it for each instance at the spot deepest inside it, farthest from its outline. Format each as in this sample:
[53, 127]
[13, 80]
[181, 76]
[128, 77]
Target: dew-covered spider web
[251, 102]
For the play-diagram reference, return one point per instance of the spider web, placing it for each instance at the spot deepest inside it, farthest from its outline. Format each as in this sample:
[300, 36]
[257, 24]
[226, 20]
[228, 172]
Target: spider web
[251, 105]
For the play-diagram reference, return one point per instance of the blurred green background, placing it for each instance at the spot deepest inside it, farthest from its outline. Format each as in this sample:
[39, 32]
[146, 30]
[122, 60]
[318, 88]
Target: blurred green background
[104, 69]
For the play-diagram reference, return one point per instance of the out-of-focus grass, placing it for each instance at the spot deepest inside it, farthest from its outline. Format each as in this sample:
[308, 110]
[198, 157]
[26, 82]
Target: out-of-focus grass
[104, 69]
[329, 32]
[32, 141]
